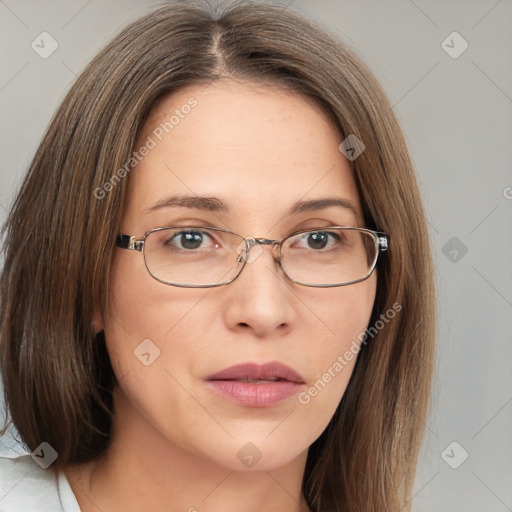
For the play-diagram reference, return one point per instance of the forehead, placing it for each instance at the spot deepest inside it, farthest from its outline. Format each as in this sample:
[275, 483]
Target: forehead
[256, 147]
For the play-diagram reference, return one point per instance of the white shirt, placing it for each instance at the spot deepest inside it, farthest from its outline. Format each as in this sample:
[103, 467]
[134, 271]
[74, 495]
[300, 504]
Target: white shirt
[26, 487]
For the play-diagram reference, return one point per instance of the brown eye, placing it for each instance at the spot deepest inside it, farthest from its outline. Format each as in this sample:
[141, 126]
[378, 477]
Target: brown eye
[318, 240]
[189, 240]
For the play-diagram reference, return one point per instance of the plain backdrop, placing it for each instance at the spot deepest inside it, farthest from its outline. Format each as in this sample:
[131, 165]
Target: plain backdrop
[446, 68]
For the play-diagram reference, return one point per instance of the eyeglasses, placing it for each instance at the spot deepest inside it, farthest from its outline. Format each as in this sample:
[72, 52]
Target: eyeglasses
[199, 257]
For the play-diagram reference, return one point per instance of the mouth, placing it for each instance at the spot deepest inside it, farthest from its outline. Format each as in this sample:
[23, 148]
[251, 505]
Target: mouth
[253, 385]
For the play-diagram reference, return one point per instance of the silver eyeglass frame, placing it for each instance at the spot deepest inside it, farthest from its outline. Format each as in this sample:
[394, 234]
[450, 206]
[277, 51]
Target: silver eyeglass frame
[132, 243]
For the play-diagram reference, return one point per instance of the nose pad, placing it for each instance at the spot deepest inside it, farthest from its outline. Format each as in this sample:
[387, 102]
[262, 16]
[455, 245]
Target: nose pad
[248, 255]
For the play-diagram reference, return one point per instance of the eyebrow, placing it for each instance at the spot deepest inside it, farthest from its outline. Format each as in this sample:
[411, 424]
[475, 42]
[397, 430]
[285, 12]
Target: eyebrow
[211, 204]
[214, 204]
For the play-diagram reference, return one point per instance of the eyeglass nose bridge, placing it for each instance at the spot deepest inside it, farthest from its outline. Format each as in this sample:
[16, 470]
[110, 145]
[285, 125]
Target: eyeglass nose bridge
[248, 256]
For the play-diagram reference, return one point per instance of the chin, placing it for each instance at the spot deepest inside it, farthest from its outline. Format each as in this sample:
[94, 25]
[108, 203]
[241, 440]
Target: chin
[258, 454]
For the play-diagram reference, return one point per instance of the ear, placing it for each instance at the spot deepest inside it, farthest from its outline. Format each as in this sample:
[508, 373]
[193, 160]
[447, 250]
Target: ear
[97, 322]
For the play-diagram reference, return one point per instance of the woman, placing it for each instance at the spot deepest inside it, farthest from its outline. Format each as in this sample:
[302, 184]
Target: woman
[217, 290]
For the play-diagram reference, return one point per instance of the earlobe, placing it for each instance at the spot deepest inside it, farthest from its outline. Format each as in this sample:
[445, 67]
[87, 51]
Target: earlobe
[97, 324]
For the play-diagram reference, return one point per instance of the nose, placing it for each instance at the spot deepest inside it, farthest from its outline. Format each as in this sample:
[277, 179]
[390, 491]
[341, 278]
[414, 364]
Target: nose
[260, 299]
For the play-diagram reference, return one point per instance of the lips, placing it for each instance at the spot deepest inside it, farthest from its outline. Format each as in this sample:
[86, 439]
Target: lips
[256, 386]
[252, 372]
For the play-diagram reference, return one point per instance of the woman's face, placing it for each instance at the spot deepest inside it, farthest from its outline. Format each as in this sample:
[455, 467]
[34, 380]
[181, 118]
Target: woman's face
[258, 151]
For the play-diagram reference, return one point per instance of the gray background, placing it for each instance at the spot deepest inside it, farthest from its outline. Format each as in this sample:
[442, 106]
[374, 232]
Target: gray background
[457, 116]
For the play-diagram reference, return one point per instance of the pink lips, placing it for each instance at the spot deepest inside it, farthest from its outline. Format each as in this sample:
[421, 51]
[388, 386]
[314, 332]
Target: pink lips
[256, 385]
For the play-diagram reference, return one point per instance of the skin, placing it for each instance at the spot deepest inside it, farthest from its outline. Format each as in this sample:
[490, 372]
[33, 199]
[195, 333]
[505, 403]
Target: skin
[175, 443]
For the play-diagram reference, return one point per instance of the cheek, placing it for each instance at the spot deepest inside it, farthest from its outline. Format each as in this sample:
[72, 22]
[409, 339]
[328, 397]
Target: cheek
[143, 307]
[147, 323]
[343, 313]
[332, 357]
[153, 334]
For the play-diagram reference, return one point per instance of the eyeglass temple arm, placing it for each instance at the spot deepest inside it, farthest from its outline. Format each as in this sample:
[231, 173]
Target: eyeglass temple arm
[129, 242]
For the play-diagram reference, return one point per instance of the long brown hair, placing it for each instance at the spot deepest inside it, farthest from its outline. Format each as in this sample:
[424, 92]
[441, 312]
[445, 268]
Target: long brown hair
[59, 243]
